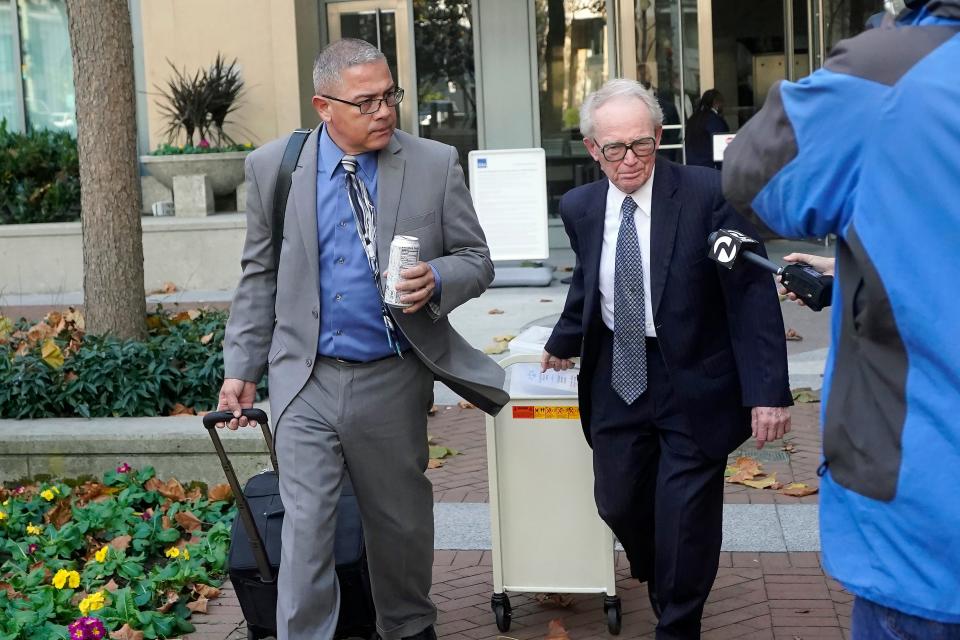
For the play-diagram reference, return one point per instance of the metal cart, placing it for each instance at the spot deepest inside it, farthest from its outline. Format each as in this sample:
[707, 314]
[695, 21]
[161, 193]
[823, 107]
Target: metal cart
[546, 534]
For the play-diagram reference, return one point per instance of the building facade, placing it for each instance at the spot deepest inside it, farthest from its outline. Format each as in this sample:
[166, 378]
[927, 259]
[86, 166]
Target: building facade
[479, 74]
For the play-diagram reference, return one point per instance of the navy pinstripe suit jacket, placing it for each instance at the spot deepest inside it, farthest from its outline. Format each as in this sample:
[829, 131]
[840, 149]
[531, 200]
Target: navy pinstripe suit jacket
[720, 332]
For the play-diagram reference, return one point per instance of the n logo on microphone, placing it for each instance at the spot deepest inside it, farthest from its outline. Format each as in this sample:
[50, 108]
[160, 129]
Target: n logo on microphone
[724, 250]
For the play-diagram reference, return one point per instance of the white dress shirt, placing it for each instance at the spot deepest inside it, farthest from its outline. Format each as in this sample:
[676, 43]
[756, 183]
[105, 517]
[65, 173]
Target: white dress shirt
[608, 254]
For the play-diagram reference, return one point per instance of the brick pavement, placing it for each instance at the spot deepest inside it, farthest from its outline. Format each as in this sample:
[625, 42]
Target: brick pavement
[756, 596]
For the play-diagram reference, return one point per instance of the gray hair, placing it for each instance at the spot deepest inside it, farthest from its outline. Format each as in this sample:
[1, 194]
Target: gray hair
[617, 88]
[339, 55]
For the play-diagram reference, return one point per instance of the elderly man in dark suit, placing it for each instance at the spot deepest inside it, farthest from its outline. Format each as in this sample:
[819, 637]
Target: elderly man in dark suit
[678, 358]
[350, 378]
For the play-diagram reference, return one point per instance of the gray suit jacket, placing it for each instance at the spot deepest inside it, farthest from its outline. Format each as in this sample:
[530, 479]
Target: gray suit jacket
[274, 318]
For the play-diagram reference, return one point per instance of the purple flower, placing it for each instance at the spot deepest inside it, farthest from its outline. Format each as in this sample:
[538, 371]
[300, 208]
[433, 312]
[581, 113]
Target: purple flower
[124, 468]
[32, 548]
[203, 143]
[87, 628]
[19, 490]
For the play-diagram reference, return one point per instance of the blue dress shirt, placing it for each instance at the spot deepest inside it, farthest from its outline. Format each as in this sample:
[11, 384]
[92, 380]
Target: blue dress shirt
[351, 323]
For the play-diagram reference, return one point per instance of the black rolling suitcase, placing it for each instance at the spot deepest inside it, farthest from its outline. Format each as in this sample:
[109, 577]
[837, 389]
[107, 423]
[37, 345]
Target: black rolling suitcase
[254, 558]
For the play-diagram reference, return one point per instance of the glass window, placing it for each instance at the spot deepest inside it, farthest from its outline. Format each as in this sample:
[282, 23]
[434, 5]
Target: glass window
[378, 27]
[9, 109]
[47, 65]
[846, 18]
[572, 61]
[446, 84]
[668, 63]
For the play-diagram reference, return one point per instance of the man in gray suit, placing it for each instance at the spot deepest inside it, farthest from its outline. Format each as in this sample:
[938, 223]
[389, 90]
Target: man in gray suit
[345, 389]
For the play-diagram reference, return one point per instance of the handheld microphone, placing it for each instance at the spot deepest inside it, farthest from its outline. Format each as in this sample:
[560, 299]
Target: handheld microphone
[729, 246]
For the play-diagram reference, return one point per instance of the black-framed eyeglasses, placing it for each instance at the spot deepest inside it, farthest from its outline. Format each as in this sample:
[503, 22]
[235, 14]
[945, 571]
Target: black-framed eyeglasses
[615, 151]
[371, 106]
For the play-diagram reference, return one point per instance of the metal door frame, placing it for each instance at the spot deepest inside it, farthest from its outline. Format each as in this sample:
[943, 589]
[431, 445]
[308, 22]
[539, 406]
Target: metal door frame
[406, 64]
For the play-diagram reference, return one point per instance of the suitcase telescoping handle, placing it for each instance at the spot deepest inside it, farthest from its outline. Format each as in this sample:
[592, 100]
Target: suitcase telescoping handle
[243, 507]
[256, 415]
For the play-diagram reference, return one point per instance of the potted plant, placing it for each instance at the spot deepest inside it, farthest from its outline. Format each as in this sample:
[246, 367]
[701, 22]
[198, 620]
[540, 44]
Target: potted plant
[196, 109]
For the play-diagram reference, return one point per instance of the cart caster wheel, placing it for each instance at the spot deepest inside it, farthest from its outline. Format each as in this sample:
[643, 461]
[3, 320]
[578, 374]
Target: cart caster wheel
[500, 604]
[611, 606]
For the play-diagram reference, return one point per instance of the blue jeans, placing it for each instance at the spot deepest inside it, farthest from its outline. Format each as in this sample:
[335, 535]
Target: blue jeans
[872, 621]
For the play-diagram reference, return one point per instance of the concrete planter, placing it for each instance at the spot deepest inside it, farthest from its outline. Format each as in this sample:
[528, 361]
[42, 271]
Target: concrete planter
[174, 250]
[176, 447]
[224, 170]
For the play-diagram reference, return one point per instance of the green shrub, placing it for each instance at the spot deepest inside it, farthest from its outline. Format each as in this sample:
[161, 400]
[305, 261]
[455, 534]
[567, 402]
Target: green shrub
[39, 177]
[187, 150]
[129, 550]
[52, 369]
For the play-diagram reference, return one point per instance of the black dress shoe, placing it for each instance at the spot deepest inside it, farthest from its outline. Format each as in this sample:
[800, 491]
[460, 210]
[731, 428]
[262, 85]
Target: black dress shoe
[427, 634]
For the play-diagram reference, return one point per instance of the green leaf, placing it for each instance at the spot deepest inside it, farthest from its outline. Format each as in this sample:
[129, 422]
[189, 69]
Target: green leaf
[806, 395]
[168, 535]
[439, 453]
[125, 606]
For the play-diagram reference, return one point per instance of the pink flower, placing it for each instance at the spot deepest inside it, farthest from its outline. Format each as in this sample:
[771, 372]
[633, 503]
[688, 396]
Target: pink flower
[124, 468]
[32, 548]
[203, 143]
[87, 628]
[19, 490]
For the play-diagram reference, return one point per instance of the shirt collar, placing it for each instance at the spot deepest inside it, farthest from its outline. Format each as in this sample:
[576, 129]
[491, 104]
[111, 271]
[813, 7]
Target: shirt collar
[642, 196]
[330, 155]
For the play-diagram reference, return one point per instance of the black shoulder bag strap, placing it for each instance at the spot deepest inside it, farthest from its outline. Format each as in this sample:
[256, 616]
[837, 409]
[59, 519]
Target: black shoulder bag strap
[291, 155]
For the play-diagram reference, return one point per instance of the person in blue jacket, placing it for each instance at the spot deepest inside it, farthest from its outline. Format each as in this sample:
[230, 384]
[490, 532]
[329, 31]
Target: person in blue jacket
[868, 148]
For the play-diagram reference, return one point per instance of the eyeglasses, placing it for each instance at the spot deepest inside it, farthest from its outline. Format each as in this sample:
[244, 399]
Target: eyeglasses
[615, 151]
[371, 106]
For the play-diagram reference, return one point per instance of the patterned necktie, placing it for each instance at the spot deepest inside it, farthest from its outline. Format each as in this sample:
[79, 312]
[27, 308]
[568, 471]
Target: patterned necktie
[629, 312]
[365, 216]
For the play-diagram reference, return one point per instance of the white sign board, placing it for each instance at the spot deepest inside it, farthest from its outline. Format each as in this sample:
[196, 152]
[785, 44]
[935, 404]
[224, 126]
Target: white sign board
[720, 143]
[509, 188]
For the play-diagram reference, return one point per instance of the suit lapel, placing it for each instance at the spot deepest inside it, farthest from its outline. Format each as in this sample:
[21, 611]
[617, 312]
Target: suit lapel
[664, 217]
[590, 240]
[304, 188]
[389, 183]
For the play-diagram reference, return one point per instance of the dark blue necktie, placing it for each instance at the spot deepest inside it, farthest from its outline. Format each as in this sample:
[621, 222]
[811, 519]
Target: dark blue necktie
[629, 312]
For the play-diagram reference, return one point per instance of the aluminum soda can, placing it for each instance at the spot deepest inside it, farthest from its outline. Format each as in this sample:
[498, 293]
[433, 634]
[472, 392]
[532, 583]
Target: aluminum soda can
[404, 253]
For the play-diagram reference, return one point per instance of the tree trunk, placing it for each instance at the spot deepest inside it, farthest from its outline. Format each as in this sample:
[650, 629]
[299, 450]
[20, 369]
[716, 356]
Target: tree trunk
[102, 44]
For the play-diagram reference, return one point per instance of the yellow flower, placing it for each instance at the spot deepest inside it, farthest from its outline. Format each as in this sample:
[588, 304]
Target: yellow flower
[3, 516]
[5, 503]
[101, 555]
[186, 554]
[33, 530]
[56, 490]
[66, 578]
[93, 602]
[47, 495]
[60, 580]
[172, 552]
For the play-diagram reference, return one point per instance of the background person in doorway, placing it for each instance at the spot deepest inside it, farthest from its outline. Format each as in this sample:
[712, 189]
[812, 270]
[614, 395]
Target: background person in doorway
[705, 122]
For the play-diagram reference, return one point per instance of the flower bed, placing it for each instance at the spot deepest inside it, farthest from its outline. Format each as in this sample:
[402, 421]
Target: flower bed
[53, 369]
[129, 556]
